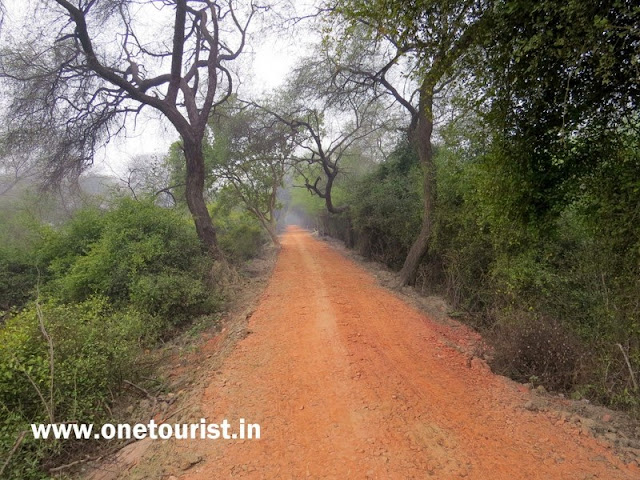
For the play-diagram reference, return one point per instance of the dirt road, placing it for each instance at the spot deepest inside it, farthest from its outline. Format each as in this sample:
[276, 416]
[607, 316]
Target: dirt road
[348, 381]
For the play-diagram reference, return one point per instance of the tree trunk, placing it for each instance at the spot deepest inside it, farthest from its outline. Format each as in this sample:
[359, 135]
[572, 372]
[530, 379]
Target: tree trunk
[270, 227]
[194, 191]
[268, 221]
[421, 138]
[328, 199]
[349, 240]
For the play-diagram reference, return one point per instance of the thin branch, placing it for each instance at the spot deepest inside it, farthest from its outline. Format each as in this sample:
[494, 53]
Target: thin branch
[631, 372]
[13, 450]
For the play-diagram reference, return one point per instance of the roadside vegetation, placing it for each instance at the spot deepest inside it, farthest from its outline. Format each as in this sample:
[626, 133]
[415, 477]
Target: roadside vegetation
[487, 151]
[556, 296]
[85, 299]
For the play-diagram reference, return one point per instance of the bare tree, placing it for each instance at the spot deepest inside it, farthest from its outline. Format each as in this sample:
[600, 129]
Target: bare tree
[15, 169]
[325, 122]
[149, 175]
[92, 63]
[316, 149]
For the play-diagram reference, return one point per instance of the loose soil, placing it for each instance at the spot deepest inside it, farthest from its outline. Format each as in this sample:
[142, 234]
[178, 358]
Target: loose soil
[348, 380]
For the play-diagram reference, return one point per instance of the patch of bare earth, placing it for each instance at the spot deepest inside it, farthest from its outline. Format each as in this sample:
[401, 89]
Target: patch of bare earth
[349, 380]
[188, 364]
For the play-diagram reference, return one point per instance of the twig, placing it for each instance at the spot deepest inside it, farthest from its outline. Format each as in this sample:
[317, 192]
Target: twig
[13, 450]
[92, 459]
[631, 373]
[179, 410]
[140, 389]
[45, 334]
[69, 465]
[49, 341]
[39, 392]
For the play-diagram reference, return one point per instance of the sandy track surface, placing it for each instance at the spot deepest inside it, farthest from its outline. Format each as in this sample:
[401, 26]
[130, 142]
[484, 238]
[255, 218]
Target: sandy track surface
[348, 381]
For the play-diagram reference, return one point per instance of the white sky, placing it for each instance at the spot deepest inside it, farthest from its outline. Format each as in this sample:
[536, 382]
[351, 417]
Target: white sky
[269, 64]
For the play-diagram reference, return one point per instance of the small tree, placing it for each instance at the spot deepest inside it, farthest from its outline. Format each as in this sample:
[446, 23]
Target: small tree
[250, 153]
[426, 39]
[324, 123]
[92, 63]
[149, 175]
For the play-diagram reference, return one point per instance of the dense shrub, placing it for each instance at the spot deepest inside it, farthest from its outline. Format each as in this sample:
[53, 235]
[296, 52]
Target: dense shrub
[386, 208]
[545, 259]
[174, 296]
[137, 253]
[18, 276]
[110, 283]
[553, 278]
[535, 349]
[18, 267]
[240, 235]
[94, 348]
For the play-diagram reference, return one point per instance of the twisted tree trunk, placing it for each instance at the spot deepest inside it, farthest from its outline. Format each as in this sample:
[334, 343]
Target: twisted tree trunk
[194, 191]
[420, 135]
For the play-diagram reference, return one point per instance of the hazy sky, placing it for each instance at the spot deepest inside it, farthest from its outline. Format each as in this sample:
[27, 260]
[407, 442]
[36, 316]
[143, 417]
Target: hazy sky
[267, 68]
[267, 59]
[264, 66]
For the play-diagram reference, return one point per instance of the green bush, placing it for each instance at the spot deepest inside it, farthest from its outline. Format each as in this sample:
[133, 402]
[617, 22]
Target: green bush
[18, 273]
[240, 235]
[26, 462]
[94, 349]
[18, 277]
[137, 253]
[111, 283]
[60, 247]
[172, 295]
[387, 209]
[540, 249]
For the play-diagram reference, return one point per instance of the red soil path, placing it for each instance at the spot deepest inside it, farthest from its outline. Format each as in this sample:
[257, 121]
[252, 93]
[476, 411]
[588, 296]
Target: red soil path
[348, 381]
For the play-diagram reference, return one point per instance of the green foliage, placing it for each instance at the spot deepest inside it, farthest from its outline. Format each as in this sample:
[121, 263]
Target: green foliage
[19, 233]
[305, 201]
[240, 235]
[26, 463]
[559, 185]
[548, 267]
[566, 64]
[95, 348]
[386, 208]
[569, 261]
[62, 247]
[249, 151]
[137, 253]
[112, 282]
[461, 249]
[172, 295]
[18, 276]
[428, 28]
